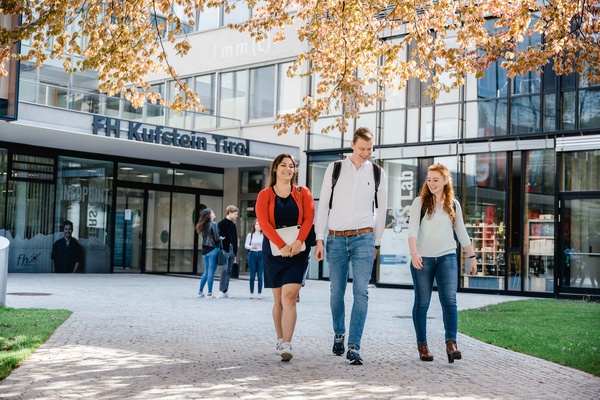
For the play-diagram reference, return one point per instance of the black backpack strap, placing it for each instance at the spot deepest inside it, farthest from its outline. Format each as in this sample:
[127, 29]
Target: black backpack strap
[377, 177]
[337, 167]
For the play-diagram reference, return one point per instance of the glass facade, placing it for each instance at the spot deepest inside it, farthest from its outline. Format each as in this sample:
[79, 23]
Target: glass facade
[126, 217]
[525, 198]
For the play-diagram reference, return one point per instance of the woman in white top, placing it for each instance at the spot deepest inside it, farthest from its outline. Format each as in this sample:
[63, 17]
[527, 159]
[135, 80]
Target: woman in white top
[433, 255]
[254, 241]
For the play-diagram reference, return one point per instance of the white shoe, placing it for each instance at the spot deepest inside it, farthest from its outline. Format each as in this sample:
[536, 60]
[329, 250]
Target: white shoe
[251, 295]
[285, 351]
[224, 295]
[200, 295]
[210, 296]
[259, 296]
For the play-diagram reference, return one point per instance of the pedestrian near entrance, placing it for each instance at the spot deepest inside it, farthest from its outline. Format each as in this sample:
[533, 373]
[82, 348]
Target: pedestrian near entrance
[66, 252]
[284, 204]
[254, 242]
[433, 255]
[211, 242]
[355, 215]
[228, 231]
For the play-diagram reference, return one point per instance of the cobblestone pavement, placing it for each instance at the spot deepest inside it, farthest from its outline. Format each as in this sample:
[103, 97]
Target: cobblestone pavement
[150, 337]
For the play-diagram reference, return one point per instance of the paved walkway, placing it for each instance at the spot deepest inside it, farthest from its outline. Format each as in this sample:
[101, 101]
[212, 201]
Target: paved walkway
[149, 337]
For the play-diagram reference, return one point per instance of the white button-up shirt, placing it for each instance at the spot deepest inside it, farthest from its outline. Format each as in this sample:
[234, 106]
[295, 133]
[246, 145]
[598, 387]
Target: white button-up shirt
[353, 204]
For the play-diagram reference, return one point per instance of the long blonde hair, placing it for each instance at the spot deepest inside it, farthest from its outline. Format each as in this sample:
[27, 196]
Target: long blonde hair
[428, 199]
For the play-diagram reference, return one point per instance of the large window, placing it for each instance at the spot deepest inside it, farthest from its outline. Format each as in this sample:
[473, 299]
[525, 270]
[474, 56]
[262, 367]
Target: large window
[262, 93]
[233, 95]
[84, 197]
[540, 172]
[484, 210]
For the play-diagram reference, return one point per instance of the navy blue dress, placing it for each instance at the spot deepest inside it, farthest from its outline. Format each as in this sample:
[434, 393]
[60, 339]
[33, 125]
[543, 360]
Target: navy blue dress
[281, 270]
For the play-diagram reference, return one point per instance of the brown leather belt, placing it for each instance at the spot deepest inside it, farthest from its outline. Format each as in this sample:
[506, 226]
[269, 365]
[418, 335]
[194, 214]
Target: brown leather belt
[351, 232]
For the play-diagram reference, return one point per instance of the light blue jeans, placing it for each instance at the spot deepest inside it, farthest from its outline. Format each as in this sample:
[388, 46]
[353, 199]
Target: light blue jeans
[341, 251]
[445, 271]
[255, 263]
[210, 266]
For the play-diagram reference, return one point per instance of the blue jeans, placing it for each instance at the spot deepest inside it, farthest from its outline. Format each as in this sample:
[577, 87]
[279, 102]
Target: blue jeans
[445, 271]
[341, 251]
[255, 262]
[210, 266]
[226, 271]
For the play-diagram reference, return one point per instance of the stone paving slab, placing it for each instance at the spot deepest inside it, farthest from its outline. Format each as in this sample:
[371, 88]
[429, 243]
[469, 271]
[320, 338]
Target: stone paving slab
[149, 337]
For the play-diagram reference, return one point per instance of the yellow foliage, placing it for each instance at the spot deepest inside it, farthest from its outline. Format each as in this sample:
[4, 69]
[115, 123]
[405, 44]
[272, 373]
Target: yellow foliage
[353, 45]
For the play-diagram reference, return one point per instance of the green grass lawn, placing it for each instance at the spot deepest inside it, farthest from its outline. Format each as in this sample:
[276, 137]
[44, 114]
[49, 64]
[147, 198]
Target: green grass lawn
[562, 331]
[22, 331]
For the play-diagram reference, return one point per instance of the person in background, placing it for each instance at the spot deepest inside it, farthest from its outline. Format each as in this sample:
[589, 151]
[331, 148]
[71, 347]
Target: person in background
[356, 226]
[254, 242]
[228, 231]
[211, 240]
[433, 256]
[66, 252]
[284, 204]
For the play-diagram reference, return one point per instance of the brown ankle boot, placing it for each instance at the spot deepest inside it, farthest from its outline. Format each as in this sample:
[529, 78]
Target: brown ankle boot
[424, 353]
[452, 351]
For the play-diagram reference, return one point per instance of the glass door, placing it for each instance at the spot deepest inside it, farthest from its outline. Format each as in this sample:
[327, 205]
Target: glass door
[158, 231]
[128, 230]
[580, 219]
[182, 237]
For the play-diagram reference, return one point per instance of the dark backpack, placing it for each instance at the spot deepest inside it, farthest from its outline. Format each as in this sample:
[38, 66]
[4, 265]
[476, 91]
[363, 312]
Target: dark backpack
[337, 167]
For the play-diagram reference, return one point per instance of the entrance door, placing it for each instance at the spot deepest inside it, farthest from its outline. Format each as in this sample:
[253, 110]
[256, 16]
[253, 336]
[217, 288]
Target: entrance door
[580, 219]
[128, 230]
[170, 232]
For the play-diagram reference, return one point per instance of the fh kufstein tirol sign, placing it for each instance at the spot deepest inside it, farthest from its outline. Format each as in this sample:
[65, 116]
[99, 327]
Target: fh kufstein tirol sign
[166, 136]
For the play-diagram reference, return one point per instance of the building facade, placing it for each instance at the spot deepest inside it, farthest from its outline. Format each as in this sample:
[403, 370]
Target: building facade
[524, 153]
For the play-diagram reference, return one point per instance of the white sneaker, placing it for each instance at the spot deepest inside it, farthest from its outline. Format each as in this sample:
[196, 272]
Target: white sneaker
[251, 295]
[200, 295]
[209, 296]
[259, 296]
[224, 295]
[285, 351]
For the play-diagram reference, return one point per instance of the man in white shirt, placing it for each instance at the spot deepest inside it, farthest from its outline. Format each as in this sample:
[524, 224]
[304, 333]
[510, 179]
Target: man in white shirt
[355, 226]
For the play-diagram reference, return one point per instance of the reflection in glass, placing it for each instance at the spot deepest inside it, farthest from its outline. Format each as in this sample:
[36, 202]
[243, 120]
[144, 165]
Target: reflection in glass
[580, 171]
[525, 115]
[581, 243]
[484, 212]
[540, 170]
[589, 109]
[486, 118]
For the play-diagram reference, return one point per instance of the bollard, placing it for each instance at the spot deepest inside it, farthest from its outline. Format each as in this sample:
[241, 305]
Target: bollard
[4, 243]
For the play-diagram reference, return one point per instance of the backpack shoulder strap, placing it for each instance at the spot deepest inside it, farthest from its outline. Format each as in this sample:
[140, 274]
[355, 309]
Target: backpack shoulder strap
[377, 177]
[337, 167]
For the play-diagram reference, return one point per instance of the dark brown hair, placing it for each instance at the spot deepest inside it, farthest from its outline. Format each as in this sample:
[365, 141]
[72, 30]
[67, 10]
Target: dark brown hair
[278, 160]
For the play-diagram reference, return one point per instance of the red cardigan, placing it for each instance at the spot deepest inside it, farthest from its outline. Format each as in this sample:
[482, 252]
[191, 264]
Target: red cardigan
[265, 212]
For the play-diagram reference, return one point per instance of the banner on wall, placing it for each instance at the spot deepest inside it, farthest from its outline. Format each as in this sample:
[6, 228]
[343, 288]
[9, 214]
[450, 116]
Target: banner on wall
[394, 256]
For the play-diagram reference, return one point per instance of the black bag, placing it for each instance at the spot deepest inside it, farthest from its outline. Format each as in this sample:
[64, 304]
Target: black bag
[311, 239]
[235, 270]
[222, 256]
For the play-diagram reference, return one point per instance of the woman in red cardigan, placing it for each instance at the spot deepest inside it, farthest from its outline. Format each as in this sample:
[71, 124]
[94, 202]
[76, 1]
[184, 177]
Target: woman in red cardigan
[280, 205]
